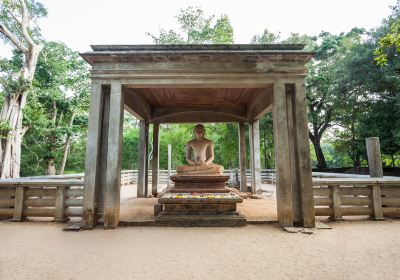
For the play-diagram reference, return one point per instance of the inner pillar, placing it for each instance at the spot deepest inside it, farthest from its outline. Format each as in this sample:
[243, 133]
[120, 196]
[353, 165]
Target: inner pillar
[255, 161]
[142, 147]
[155, 161]
[242, 156]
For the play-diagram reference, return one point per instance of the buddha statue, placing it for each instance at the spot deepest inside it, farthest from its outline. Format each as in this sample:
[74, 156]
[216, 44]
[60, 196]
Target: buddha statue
[199, 156]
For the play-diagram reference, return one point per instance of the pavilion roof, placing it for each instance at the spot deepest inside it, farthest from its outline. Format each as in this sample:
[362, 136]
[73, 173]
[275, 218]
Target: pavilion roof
[198, 83]
[104, 52]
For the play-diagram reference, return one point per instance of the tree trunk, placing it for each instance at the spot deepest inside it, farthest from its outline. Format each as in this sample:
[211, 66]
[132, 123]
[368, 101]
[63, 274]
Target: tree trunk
[51, 165]
[11, 118]
[357, 161]
[321, 162]
[316, 140]
[265, 148]
[67, 145]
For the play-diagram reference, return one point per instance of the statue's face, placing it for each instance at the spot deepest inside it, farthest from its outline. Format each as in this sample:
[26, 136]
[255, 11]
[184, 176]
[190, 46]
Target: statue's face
[199, 132]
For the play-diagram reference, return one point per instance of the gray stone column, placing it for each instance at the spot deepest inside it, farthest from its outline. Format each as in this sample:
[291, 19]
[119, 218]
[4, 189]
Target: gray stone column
[155, 161]
[242, 156]
[142, 147]
[113, 173]
[302, 149]
[93, 155]
[282, 156]
[255, 162]
[292, 155]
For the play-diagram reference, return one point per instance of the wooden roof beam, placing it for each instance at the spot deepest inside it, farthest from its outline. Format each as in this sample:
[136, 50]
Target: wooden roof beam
[259, 105]
[137, 106]
[231, 113]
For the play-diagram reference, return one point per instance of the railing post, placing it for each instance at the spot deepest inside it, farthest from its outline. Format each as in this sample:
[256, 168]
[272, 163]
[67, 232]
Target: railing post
[377, 202]
[19, 204]
[337, 204]
[59, 211]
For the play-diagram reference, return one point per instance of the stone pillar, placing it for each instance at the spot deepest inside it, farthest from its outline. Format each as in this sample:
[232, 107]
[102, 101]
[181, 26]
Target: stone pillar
[103, 155]
[302, 149]
[142, 147]
[113, 172]
[169, 164]
[146, 169]
[282, 157]
[374, 157]
[255, 162]
[155, 161]
[92, 166]
[242, 156]
[292, 155]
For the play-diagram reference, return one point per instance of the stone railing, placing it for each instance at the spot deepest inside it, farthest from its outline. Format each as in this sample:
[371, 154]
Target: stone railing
[375, 197]
[27, 197]
[267, 175]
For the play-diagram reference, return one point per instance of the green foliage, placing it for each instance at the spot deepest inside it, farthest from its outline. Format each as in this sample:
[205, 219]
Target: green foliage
[389, 43]
[266, 37]
[56, 109]
[10, 11]
[130, 147]
[11, 82]
[197, 28]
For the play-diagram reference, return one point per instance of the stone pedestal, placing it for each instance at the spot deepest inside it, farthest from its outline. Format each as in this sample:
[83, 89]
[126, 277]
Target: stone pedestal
[199, 183]
[199, 201]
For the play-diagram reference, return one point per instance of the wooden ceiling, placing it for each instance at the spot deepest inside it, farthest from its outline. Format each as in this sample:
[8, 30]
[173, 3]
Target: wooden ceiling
[198, 97]
[198, 104]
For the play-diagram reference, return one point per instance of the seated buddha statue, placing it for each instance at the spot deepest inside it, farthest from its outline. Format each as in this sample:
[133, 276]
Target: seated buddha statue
[199, 156]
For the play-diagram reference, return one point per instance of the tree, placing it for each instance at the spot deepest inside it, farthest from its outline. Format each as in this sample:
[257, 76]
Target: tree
[372, 104]
[325, 96]
[267, 141]
[266, 37]
[59, 105]
[389, 42]
[197, 28]
[17, 27]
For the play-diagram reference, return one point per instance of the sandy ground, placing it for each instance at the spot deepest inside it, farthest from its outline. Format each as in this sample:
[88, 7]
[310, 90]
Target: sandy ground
[351, 250]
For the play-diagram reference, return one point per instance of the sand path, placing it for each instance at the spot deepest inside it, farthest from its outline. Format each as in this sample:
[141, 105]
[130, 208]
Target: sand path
[351, 250]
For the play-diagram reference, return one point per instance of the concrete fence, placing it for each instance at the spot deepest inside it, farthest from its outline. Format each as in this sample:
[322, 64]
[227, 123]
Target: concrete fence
[61, 196]
[130, 176]
[27, 197]
[374, 197]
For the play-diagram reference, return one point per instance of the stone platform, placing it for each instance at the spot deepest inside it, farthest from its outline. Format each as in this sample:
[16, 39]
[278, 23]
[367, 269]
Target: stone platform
[199, 183]
[199, 209]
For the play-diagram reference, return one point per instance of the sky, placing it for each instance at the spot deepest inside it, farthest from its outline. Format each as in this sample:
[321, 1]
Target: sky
[80, 23]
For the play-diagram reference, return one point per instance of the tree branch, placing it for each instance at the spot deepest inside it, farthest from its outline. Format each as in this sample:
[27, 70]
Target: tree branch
[14, 17]
[312, 138]
[25, 23]
[25, 129]
[12, 38]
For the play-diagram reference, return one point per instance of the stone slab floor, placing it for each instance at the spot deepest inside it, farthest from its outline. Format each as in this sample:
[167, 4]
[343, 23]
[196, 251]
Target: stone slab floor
[351, 250]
